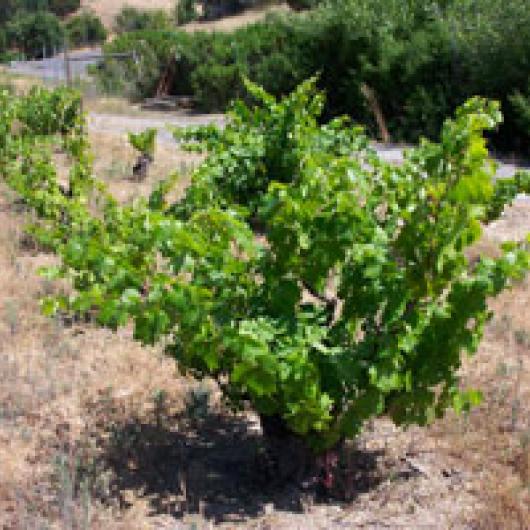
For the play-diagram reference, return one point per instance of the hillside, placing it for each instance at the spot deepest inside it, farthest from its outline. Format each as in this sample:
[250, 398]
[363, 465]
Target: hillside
[108, 10]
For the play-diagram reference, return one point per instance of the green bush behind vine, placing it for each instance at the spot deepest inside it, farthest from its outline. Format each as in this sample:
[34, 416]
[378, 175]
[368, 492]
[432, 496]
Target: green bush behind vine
[421, 59]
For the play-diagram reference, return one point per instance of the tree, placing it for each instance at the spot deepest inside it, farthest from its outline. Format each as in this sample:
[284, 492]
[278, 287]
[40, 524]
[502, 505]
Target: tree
[7, 9]
[35, 34]
[299, 5]
[132, 19]
[85, 28]
[64, 7]
[314, 281]
[185, 11]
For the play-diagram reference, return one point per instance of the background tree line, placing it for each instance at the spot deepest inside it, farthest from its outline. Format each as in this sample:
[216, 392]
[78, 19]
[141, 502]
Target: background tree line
[37, 28]
[411, 62]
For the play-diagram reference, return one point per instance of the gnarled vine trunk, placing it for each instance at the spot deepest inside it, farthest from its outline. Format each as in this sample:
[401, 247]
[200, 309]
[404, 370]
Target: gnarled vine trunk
[289, 458]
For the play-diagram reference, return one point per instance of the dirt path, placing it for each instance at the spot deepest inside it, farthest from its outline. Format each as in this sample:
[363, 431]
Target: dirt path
[121, 124]
[118, 124]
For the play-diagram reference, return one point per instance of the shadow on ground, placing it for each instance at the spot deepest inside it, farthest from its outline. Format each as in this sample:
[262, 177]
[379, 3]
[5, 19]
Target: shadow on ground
[213, 467]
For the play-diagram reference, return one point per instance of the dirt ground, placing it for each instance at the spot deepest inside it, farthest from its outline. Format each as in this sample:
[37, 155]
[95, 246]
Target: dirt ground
[108, 9]
[97, 432]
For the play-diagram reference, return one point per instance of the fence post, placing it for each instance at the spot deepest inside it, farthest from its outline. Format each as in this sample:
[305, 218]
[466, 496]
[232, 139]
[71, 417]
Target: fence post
[67, 66]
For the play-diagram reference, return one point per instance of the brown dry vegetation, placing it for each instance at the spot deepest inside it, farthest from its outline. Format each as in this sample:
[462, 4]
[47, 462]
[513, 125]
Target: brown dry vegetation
[97, 432]
[108, 9]
[230, 23]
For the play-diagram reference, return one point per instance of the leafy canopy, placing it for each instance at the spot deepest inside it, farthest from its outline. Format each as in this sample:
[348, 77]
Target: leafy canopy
[144, 142]
[312, 279]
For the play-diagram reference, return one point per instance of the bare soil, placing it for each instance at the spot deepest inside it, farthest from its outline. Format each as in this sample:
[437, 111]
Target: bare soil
[108, 9]
[97, 432]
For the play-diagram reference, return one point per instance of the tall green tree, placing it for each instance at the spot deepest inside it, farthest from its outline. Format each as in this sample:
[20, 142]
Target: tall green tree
[35, 34]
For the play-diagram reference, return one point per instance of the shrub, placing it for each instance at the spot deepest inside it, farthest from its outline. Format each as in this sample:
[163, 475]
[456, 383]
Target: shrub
[521, 108]
[64, 7]
[299, 5]
[3, 41]
[43, 112]
[356, 300]
[420, 60]
[215, 9]
[85, 28]
[61, 8]
[185, 11]
[35, 34]
[132, 19]
[144, 142]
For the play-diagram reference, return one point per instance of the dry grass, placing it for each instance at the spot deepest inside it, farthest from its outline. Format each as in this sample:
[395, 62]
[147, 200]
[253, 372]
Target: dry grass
[92, 434]
[236, 21]
[116, 159]
[20, 84]
[108, 9]
[52, 376]
[117, 106]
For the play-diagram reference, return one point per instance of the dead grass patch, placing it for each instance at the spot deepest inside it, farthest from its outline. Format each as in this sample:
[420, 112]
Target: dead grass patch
[116, 159]
[107, 11]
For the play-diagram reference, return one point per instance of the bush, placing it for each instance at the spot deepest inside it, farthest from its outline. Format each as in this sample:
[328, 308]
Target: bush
[64, 7]
[185, 11]
[521, 107]
[35, 34]
[299, 5]
[61, 8]
[357, 300]
[144, 142]
[44, 112]
[85, 28]
[3, 41]
[132, 19]
[419, 60]
[216, 9]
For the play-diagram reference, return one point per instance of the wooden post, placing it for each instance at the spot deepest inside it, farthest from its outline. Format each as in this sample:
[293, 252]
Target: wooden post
[67, 66]
[374, 106]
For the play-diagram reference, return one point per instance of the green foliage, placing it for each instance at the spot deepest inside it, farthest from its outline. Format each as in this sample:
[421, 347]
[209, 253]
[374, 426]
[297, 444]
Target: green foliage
[35, 34]
[299, 5]
[216, 9]
[506, 190]
[63, 7]
[133, 19]
[43, 112]
[85, 28]
[185, 11]
[144, 142]
[31, 28]
[521, 106]
[3, 41]
[312, 279]
[420, 59]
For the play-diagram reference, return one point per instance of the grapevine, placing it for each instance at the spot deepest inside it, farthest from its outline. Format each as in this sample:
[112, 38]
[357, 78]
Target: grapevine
[314, 281]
